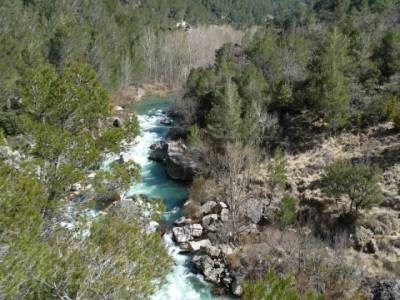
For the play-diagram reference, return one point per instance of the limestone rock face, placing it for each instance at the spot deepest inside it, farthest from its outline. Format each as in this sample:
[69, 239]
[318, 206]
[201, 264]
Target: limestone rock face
[212, 270]
[187, 233]
[177, 164]
[196, 246]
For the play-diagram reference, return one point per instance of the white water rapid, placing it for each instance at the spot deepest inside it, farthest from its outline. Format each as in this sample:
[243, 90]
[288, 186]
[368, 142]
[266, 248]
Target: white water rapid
[181, 283]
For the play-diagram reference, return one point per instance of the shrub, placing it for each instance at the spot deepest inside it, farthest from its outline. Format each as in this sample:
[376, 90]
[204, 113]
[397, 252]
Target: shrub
[10, 123]
[196, 195]
[194, 135]
[287, 210]
[277, 175]
[197, 190]
[274, 287]
[360, 183]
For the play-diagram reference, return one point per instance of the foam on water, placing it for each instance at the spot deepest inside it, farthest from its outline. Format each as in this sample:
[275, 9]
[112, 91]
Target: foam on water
[181, 282]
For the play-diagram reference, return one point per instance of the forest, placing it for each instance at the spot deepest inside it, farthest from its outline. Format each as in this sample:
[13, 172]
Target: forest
[290, 111]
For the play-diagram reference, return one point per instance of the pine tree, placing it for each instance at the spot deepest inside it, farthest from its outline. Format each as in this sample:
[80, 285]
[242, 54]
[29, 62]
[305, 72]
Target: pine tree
[330, 88]
[224, 118]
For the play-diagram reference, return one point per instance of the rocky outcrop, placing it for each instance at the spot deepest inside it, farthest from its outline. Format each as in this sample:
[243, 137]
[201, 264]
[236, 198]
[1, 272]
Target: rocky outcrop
[175, 159]
[196, 246]
[212, 269]
[159, 151]
[187, 233]
[178, 166]
[210, 222]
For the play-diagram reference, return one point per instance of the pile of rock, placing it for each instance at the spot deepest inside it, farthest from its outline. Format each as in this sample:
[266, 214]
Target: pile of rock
[210, 259]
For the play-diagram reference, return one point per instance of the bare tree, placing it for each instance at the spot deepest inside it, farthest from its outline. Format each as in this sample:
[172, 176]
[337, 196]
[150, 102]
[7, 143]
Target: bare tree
[235, 167]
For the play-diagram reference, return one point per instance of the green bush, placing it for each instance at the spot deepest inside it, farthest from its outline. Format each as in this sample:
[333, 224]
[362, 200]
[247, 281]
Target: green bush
[274, 287]
[118, 260]
[360, 183]
[194, 135]
[287, 211]
[10, 123]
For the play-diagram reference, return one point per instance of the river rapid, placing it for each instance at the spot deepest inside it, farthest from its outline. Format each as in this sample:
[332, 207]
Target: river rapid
[182, 282]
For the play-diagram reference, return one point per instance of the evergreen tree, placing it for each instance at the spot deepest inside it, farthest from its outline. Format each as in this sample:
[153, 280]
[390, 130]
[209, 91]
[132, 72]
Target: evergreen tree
[387, 54]
[329, 83]
[360, 183]
[224, 118]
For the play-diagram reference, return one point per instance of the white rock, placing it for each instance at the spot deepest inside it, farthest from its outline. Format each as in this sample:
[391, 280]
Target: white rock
[211, 250]
[196, 246]
[225, 214]
[226, 249]
[187, 233]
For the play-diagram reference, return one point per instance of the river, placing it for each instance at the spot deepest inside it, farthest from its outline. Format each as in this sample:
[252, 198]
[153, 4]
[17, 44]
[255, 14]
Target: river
[182, 283]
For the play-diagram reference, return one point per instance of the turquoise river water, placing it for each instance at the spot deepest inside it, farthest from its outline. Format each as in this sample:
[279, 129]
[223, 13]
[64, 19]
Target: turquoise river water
[182, 283]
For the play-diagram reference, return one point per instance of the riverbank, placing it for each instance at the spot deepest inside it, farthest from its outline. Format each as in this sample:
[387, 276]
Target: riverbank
[131, 94]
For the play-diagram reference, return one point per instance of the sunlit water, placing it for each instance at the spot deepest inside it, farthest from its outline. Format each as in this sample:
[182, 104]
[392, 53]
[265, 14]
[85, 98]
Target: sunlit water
[182, 283]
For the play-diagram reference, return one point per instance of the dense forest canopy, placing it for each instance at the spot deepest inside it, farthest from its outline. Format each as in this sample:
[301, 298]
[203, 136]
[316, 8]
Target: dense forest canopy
[293, 70]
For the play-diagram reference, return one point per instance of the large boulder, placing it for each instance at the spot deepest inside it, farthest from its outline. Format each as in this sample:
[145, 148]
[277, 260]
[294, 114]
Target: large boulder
[187, 233]
[178, 165]
[226, 250]
[176, 161]
[211, 250]
[210, 223]
[253, 210]
[212, 270]
[196, 246]
[159, 151]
